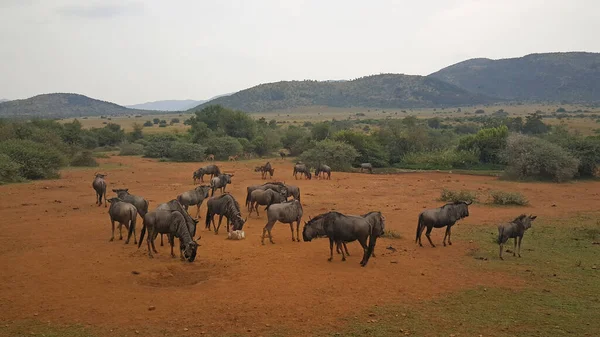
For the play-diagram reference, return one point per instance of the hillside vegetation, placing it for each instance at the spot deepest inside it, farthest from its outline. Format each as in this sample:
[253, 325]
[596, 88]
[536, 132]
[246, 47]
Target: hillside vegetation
[568, 77]
[167, 105]
[62, 105]
[377, 91]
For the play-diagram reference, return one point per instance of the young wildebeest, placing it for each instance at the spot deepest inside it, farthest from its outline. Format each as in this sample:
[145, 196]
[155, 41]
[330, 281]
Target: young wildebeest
[282, 154]
[341, 228]
[140, 203]
[514, 229]
[175, 205]
[275, 186]
[220, 182]
[303, 170]
[366, 166]
[212, 169]
[265, 197]
[172, 223]
[266, 169]
[286, 212]
[99, 186]
[194, 197]
[224, 205]
[323, 169]
[441, 217]
[126, 214]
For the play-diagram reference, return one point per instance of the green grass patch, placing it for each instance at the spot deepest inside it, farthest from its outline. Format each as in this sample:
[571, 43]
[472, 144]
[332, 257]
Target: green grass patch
[454, 196]
[508, 198]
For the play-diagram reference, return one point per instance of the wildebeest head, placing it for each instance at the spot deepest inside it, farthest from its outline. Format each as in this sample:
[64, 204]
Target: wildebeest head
[313, 228]
[238, 223]
[257, 168]
[525, 220]
[203, 189]
[189, 251]
[114, 200]
[100, 175]
[461, 208]
[121, 191]
[227, 178]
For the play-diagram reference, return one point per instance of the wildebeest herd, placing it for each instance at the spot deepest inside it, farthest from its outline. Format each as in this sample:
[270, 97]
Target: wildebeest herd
[172, 218]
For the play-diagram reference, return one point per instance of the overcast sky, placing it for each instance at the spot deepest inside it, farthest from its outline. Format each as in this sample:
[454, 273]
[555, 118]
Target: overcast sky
[131, 52]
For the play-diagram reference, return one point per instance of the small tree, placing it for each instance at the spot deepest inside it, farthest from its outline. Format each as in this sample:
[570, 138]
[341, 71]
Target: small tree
[488, 142]
[156, 120]
[136, 133]
[223, 147]
[174, 120]
[36, 160]
[186, 152]
[148, 124]
[336, 154]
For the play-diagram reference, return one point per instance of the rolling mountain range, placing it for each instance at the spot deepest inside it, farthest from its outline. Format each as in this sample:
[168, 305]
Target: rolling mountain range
[167, 105]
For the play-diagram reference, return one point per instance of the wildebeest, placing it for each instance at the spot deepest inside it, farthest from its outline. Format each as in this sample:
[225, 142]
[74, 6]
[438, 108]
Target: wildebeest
[366, 166]
[282, 154]
[194, 197]
[212, 170]
[514, 229]
[286, 212]
[275, 186]
[224, 205]
[126, 214]
[323, 169]
[172, 223]
[292, 191]
[445, 216]
[266, 168]
[220, 182]
[140, 203]
[210, 157]
[265, 197]
[175, 205]
[341, 228]
[99, 186]
[234, 158]
[303, 170]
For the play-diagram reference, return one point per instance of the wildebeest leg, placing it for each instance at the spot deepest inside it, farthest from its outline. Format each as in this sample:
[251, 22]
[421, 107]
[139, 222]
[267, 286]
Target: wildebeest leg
[121, 232]
[449, 235]
[129, 233]
[148, 239]
[161, 240]
[113, 230]
[365, 247]
[197, 211]
[427, 234]
[227, 225]
[298, 230]
[343, 255]
[330, 250]
[152, 241]
[420, 233]
[445, 235]
[515, 249]
[172, 242]
[337, 249]
[346, 248]
[519, 252]
[501, 247]
[292, 229]
[219, 226]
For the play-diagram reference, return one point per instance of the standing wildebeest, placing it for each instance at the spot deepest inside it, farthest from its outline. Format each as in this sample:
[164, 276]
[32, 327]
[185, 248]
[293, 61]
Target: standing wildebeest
[514, 229]
[220, 182]
[323, 169]
[302, 169]
[212, 169]
[275, 186]
[341, 228]
[234, 158]
[126, 214]
[99, 186]
[175, 205]
[210, 157]
[224, 205]
[139, 202]
[441, 217]
[265, 197]
[172, 223]
[366, 166]
[267, 168]
[286, 212]
[292, 191]
[194, 197]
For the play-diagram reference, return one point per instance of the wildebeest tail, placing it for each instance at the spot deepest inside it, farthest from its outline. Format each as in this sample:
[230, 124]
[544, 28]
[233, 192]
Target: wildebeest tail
[500, 235]
[299, 194]
[142, 232]
[419, 227]
[372, 242]
[248, 199]
[208, 218]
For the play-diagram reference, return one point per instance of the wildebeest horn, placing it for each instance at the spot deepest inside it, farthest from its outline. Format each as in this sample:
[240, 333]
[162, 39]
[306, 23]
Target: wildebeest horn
[469, 202]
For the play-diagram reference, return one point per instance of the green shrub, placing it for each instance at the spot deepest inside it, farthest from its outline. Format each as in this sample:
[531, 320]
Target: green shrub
[186, 152]
[9, 170]
[174, 120]
[84, 158]
[223, 147]
[454, 196]
[534, 158]
[441, 160]
[37, 161]
[159, 146]
[487, 142]
[131, 149]
[337, 155]
[148, 124]
[508, 198]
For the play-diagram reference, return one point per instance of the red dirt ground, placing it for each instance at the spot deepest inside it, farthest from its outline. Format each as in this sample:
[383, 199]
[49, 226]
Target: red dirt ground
[58, 265]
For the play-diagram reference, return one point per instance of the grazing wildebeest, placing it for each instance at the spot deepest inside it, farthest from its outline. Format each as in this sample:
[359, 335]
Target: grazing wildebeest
[323, 169]
[99, 186]
[286, 212]
[210, 157]
[303, 170]
[341, 228]
[514, 229]
[282, 155]
[445, 216]
[366, 166]
[275, 186]
[224, 205]
[220, 182]
[292, 191]
[140, 203]
[126, 214]
[194, 197]
[175, 205]
[265, 197]
[172, 223]
[267, 168]
[212, 169]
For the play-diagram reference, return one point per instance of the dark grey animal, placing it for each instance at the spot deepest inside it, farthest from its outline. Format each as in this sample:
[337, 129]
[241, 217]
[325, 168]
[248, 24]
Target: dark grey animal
[220, 182]
[275, 186]
[323, 169]
[224, 205]
[99, 186]
[303, 170]
[341, 228]
[175, 205]
[212, 169]
[171, 223]
[265, 197]
[140, 203]
[292, 191]
[126, 214]
[514, 229]
[366, 166]
[286, 212]
[194, 197]
[267, 168]
[445, 216]
[282, 154]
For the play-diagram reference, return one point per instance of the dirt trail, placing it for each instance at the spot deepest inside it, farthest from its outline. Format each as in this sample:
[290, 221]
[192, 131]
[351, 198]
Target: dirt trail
[57, 262]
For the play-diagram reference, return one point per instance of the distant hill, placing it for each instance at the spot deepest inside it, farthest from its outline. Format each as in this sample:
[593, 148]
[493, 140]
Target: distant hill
[3, 100]
[571, 77]
[61, 106]
[167, 105]
[377, 91]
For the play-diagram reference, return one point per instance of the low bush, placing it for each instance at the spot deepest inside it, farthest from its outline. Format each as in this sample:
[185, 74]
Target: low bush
[337, 155]
[9, 170]
[84, 158]
[454, 196]
[36, 161]
[440, 160]
[508, 198]
[223, 147]
[186, 152]
[131, 149]
[391, 234]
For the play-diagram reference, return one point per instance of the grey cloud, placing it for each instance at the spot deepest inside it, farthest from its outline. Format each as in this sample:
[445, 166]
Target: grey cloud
[101, 11]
